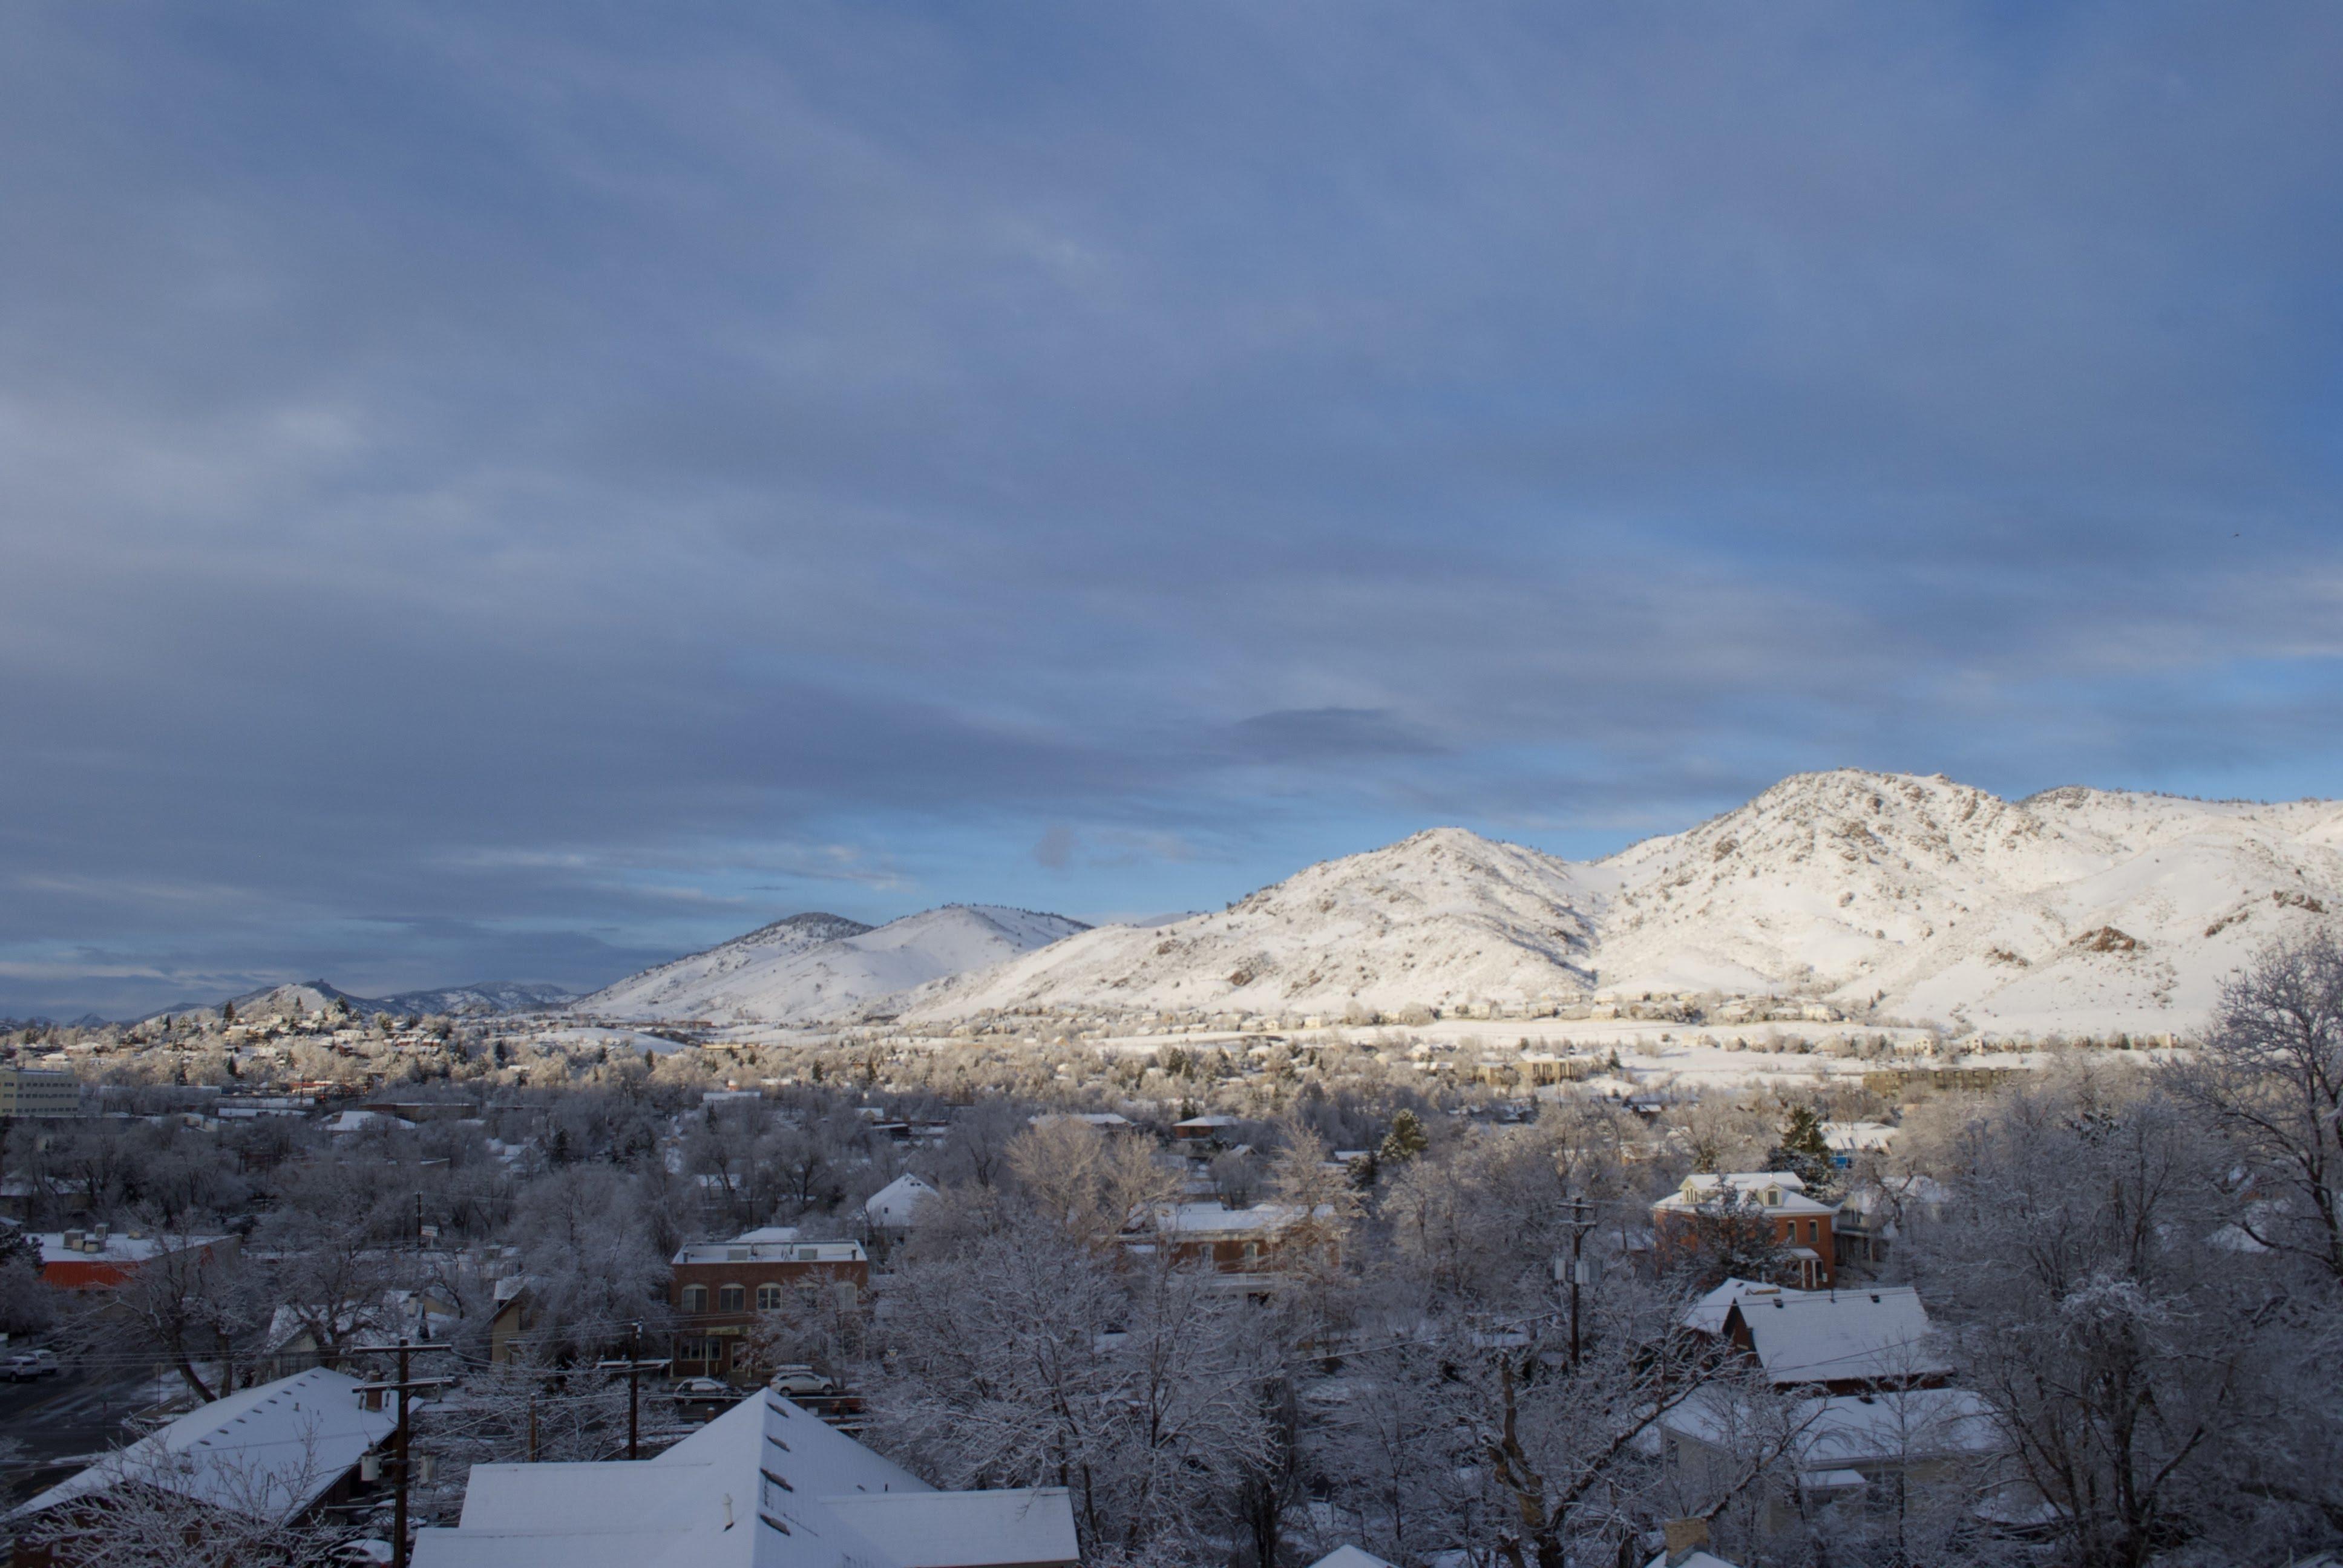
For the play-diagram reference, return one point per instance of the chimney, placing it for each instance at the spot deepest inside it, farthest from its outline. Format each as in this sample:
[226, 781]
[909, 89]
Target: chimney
[1684, 1537]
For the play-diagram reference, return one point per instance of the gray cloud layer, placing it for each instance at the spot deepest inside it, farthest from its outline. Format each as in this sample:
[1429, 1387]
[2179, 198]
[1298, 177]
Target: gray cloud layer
[516, 493]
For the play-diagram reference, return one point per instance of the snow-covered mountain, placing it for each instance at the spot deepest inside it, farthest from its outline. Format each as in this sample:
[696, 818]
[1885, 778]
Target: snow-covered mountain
[2075, 909]
[479, 1000]
[690, 986]
[300, 997]
[820, 966]
[1442, 918]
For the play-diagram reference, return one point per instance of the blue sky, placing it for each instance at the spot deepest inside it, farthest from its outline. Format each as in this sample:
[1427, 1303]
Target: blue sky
[519, 491]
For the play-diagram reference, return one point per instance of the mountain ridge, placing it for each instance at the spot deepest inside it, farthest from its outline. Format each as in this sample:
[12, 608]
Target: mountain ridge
[809, 967]
[2072, 909]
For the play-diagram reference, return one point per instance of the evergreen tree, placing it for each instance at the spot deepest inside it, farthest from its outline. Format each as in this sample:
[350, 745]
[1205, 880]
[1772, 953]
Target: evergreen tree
[1805, 1153]
[1404, 1141]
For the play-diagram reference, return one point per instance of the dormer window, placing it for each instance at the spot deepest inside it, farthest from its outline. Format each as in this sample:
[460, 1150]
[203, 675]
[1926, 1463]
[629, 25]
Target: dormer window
[1773, 1197]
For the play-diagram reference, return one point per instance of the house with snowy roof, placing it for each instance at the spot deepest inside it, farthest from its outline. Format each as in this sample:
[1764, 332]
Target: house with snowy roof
[1801, 1225]
[765, 1484]
[1841, 1447]
[889, 1211]
[283, 1451]
[1707, 1315]
[1844, 1342]
[1874, 1216]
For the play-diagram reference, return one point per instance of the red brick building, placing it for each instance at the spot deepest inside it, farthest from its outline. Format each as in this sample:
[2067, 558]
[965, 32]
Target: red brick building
[720, 1287]
[1801, 1225]
[1266, 1239]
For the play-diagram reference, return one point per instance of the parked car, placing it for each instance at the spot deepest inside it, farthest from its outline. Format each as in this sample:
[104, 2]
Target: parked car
[25, 1365]
[697, 1387]
[799, 1380]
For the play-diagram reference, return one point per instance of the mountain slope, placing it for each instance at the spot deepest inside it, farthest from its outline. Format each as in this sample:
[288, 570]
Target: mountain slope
[476, 1000]
[305, 997]
[2076, 908]
[1441, 918]
[779, 975]
[679, 988]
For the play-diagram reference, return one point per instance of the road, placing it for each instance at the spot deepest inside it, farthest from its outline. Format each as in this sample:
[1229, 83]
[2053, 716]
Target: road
[61, 1418]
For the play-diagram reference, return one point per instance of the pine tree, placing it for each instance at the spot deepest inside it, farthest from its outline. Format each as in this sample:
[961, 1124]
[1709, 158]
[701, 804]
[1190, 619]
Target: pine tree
[1405, 1141]
[1805, 1153]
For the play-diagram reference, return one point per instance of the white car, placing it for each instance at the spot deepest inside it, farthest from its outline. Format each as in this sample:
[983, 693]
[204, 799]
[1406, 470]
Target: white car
[693, 1388]
[25, 1365]
[799, 1380]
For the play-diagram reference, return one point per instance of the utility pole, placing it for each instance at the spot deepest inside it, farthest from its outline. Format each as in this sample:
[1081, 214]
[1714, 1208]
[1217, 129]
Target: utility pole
[398, 1458]
[402, 1388]
[634, 1366]
[1579, 1222]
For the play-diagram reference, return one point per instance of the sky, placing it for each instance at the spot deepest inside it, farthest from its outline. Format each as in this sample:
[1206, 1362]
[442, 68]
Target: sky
[519, 492]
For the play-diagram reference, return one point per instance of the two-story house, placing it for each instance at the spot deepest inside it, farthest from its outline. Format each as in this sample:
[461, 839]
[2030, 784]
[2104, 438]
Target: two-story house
[1801, 1225]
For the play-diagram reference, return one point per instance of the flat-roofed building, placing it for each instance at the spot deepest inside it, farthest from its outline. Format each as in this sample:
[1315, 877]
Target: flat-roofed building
[719, 1288]
[38, 1092]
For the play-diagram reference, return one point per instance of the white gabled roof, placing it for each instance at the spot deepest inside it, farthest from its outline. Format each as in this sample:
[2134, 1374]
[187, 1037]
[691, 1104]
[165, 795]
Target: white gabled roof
[765, 1485]
[1348, 1556]
[894, 1203]
[1824, 1336]
[1780, 1191]
[1706, 1315]
[1844, 1431]
[268, 1451]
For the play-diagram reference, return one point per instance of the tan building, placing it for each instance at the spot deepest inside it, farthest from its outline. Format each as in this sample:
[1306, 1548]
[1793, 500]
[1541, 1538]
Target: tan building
[38, 1092]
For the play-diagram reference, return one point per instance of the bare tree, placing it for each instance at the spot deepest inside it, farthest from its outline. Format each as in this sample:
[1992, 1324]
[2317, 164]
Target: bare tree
[194, 1304]
[2270, 1076]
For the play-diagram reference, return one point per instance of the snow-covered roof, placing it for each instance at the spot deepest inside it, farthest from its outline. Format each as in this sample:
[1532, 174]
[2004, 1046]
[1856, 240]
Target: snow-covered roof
[1347, 1556]
[893, 1204]
[1780, 1191]
[1857, 1137]
[767, 1233]
[114, 1247]
[1844, 1431]
[771, 1253]
[1828, 1336]
[269, 1451]
[765, 1485]
[1706, 1315]
[1215, 1219]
